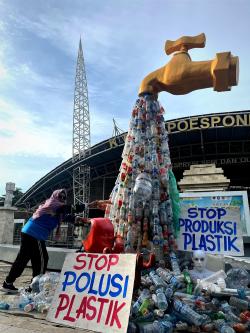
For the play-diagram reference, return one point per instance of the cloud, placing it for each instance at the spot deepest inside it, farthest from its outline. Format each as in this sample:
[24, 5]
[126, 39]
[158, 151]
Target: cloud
[3, 72]
[24, 171]
[21, 134]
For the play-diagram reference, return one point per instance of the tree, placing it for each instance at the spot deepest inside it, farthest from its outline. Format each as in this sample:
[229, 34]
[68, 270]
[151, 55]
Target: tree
[17, 195]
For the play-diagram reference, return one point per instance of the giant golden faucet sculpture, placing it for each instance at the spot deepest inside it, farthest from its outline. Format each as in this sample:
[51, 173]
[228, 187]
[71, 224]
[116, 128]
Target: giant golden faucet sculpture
[181, 75]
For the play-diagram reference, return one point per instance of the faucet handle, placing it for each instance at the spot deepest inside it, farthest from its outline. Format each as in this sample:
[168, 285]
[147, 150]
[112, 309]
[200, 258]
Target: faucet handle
[185, 43]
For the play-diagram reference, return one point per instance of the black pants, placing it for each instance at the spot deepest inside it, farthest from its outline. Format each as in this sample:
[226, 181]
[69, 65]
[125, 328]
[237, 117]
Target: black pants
[31, 249]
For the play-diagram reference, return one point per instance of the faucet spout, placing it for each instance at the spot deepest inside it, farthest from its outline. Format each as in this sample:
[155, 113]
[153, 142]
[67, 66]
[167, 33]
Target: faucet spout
[181, 75]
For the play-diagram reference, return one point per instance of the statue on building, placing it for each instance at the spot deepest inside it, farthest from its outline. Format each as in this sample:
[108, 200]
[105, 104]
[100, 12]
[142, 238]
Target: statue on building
[10, 188]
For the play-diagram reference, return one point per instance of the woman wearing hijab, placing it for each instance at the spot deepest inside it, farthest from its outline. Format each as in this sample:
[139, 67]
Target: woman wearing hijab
[33, 236]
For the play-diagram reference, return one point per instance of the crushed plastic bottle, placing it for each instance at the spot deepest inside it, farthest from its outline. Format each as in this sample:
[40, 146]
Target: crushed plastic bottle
[35, 283]
[238, 303]
[230, 316]
[222, 326]
[163, 326]
[187, 313]
[237, 278]
[49, 281]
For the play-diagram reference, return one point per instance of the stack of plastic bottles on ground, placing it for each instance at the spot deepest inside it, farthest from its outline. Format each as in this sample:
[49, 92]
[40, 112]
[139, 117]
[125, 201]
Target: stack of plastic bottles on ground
[144, 202]
[167, 302]
[39, 299]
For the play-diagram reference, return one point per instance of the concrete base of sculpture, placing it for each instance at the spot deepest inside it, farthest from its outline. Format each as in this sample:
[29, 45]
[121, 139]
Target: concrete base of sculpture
[7, 224]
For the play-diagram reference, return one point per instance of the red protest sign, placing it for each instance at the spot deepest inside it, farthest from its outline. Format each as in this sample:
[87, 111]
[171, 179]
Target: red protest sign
[95, 292]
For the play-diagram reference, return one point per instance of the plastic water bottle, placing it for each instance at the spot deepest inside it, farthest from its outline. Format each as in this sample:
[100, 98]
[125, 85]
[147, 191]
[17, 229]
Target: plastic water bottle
[19, 302]
[163, 214]
[169, 293]
[35, 283]
[238, 303]
[158, 313]
[222, 327]
[189, 283]
[29, 307]
[42, 307]
[161, 299]
[44, 298]
[146, 328]
[155, 208]
[168, 277]
[174, 264]
[187, 313]
[130, 239]
[158, 249]
[143, 309]
[163, 326]
[163, 273]
[132, 328]
[230, 316]
[145, 294]
[138, 210]
[4, 306]
[164, 177]
[157, 281]
[181, 326]
[49, 281]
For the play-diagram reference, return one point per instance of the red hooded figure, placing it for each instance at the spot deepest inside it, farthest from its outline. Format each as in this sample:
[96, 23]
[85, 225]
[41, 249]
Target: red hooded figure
[100, 236]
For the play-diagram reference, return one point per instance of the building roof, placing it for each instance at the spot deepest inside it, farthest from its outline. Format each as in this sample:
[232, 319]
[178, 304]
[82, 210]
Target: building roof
[201, 139]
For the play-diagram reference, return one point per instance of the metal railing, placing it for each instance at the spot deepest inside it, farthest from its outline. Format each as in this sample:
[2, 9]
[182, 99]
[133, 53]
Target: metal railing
[70, 236]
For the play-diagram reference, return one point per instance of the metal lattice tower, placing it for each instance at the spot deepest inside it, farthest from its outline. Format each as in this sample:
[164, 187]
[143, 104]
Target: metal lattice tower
[116, 130]
[81, 133]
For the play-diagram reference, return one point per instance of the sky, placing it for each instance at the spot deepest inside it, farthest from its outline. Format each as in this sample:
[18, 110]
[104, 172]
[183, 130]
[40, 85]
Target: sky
[123, 41]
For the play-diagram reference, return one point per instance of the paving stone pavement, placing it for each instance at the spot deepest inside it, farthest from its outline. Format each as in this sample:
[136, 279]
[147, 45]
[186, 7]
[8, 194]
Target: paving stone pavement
[22, 322]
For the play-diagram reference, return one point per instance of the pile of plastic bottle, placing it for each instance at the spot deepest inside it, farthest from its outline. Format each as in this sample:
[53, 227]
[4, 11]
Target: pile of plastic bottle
[144, 211]
[142, 206]
[39, 299]
[167, 302]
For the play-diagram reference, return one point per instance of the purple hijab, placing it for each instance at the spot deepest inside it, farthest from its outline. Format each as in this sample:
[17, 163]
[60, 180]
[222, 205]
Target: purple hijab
[51, 205]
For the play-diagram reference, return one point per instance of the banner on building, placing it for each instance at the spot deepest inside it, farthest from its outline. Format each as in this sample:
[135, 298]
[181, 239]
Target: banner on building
[95, 292]
[214, 222]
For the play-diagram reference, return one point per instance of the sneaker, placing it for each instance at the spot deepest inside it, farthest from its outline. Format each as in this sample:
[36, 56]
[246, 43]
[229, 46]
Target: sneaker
[9, 288]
